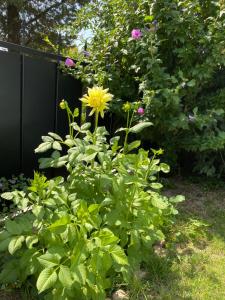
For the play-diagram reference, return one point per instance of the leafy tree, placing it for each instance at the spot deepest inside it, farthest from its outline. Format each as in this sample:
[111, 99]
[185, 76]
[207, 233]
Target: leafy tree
[28, 22]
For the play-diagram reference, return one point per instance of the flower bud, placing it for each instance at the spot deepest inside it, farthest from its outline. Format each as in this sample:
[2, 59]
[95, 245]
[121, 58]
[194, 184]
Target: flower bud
[127, 106]
[62, 104]
[69, 62]
[141, 111]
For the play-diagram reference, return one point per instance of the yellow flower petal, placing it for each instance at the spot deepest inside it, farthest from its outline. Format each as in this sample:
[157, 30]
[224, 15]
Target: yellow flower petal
[97, 99]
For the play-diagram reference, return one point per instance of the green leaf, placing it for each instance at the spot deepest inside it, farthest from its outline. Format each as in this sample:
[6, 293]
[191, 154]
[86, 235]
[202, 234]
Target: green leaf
[148, 18]
[31, 240]
[75, 126]
[15, 244]
[164, 168]
[159, 203]
[55, 154]
[121, 129]
[38, 211]
[55, 136]
[106, 202]
[12, 227]
[156, 185]
[140, 126]
[47, 139]
[44, 163]
[118, 255]
[177, 199]
[85, 126]
[69, 142]
[7, 196]
[93, 207]
[4, 235]
[49, 260]
[10, 272]
[61, 222]
[56, 145]
[107, 237]
[43, 147]
[89, 157]
[46, 279]
[191, 83]
[65, 276]
[4, 244]
[133, 145]
[59, 162]
[25, 224]
[79, 274]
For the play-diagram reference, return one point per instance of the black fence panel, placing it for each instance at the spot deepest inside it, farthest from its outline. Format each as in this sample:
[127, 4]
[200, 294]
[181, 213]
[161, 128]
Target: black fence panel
[10, 80]
[38, 106]
[31, 87]
[70, 90]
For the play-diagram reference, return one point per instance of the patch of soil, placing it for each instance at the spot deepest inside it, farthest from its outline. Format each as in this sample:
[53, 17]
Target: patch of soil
[15, 295]
[198, 198]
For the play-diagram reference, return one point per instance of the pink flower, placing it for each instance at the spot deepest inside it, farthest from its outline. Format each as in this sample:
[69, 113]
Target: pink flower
[141, 111]
[69, 62]
[136, 34]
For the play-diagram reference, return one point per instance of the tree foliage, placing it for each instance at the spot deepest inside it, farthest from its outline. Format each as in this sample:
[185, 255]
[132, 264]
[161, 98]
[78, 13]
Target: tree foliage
[176, 67]
[31, 22]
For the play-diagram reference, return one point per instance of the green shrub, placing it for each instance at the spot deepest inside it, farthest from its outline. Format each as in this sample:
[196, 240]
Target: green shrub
[79, 234]
[176, 68]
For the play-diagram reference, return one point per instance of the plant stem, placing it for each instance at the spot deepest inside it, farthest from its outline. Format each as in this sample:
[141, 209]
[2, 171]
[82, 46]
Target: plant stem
[129, 122]
[83, 113]
[94, 134]
[69, 120]
[96, 120]
[96, 126]
[149, 168]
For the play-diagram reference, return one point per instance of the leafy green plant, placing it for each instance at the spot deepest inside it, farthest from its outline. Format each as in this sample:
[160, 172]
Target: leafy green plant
[19, 182]
[81, 233]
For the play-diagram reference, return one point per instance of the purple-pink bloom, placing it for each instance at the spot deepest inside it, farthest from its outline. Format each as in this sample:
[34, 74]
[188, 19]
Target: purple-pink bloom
[136, 34]
[69, 62]
[141, 111]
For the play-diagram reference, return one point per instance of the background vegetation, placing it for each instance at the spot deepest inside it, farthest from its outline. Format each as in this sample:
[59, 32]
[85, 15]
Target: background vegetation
[176, 67]
[37, 23]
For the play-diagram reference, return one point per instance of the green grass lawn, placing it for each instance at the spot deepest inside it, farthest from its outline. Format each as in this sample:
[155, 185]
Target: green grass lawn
[197, 272]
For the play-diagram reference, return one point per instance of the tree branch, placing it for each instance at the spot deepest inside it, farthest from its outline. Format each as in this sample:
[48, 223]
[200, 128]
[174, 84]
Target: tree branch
[38, 16]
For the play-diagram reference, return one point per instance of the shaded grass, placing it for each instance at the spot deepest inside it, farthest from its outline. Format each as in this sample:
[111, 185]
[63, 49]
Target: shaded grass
[194, 267]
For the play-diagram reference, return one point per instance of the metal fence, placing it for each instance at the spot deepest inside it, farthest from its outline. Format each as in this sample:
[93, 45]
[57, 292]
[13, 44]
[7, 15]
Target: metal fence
[31, 87]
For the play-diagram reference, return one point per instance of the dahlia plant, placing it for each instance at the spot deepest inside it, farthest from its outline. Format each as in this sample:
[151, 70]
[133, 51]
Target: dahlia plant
[80, 234]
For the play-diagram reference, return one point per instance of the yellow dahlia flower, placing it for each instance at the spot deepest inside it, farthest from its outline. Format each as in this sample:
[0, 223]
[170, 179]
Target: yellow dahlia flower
[97, 99]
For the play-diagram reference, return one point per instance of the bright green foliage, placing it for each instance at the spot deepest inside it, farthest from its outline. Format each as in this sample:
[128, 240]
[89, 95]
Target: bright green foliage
[177, 68]
[78, 234]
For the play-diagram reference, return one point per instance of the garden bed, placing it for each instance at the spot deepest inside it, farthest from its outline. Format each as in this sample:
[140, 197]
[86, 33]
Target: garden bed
[194, 265]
